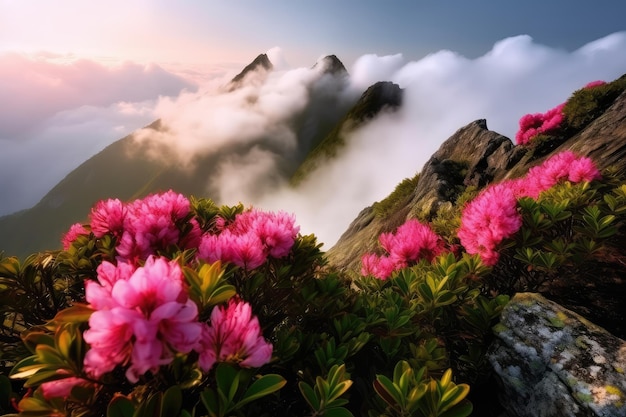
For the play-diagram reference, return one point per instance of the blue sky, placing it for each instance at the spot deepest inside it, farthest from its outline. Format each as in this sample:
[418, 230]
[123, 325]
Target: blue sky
[220, 31]
[79, 75]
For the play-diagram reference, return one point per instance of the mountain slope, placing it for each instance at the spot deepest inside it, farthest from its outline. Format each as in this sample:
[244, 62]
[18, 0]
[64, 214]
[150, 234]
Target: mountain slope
[126, 171]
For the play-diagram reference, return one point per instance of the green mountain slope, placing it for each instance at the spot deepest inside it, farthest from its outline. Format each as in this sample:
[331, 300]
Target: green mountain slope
[124, 170]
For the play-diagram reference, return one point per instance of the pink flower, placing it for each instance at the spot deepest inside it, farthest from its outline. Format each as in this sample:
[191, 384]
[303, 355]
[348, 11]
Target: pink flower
[277, 232]
[152, 224]
[532, 125]
[108, 217]
[76, 230]
[488, 219]
[380, 267]
[250, 239]
[583, 170]
[411, 242]
[210, 248]
[593, 84]
[61, 388]
[563, 166]
[141, 319]
[245, 251]
[407, 245]
[234, 335]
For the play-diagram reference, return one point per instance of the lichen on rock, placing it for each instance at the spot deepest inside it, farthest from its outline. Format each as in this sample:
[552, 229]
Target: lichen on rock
[553, 362]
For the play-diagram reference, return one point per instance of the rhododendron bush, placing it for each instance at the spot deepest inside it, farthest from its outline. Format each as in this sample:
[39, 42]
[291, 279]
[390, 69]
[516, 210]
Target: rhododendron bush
[562, 117]
[171, 306]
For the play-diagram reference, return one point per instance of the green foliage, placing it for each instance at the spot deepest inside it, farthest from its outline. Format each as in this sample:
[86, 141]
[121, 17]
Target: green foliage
[324, 397]
[587, 104]
[236, 388]
[410, 394]
[567, 230]
[399, 196]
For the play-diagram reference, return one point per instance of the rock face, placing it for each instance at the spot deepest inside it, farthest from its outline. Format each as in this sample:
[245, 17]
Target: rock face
[552, 362]
[474, 155]
[477, 156]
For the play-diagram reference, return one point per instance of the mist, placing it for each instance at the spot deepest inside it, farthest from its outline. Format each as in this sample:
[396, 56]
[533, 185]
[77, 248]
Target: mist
[58, 111]
[443, 92]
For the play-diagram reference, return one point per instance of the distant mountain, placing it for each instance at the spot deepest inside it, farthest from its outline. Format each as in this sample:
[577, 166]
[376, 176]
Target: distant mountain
[260, 66]
[382, 96]
[125, 170]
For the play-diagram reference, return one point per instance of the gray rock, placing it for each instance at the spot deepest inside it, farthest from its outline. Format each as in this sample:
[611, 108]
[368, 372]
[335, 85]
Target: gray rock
[551, 361]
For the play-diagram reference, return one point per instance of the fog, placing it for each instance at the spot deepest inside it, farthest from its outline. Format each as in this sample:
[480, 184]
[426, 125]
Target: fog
[443, 92]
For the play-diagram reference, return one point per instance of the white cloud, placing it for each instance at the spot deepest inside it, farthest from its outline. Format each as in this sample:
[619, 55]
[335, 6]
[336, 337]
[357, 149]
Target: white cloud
[442, 93]
[59, 111]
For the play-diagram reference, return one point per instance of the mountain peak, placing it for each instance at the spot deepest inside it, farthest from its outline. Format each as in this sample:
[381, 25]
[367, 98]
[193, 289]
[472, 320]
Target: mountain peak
[260, 62]
[331, 65]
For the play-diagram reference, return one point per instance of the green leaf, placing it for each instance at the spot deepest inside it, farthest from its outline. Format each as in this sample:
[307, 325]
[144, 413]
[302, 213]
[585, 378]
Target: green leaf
[462, 410]
[338, 412]
[210, 401]
[388, 391]
[26, 367]
[78, 313]
[120, 406]
[227, 378]
[309, 395]
[5, 391]
[263, 386]
[172, 402]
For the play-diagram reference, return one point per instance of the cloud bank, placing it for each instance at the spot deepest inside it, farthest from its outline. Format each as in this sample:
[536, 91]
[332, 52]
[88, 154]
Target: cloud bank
[58, 111]
[443, 92]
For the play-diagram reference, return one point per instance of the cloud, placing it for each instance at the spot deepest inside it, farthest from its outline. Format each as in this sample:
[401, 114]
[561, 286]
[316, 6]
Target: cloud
[59, 111]
[443, 92]
[251, 130]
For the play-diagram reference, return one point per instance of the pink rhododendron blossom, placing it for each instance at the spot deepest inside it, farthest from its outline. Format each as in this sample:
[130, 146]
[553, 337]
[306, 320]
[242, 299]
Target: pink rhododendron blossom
[593, 84]
[76, 230]
[531, 125]
[245, 250]
[210, 248]
[140, 319]
[380, 267]
[152, 224]
[407, 245]
[411, 241]
[107, 216]
[250, 239]
[583, 169]
[488, 219]
[61, 388]
[234, 335]
[563, 166]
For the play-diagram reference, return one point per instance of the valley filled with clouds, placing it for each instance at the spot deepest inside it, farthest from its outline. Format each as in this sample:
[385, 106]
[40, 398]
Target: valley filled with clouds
[62, 111]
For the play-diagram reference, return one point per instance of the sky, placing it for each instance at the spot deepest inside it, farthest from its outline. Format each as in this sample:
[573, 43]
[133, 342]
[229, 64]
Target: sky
[75, 76]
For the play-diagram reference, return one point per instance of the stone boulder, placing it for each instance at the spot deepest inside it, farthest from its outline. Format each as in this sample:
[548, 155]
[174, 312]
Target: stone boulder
[551, 361]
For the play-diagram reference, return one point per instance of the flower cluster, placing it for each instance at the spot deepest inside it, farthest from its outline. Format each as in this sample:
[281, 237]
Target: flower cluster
[488, 219]
[233, 336]
[142, 318]
[532, 125]
[158, 222]
[249, 240]
[411, 242]
[492, 216]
